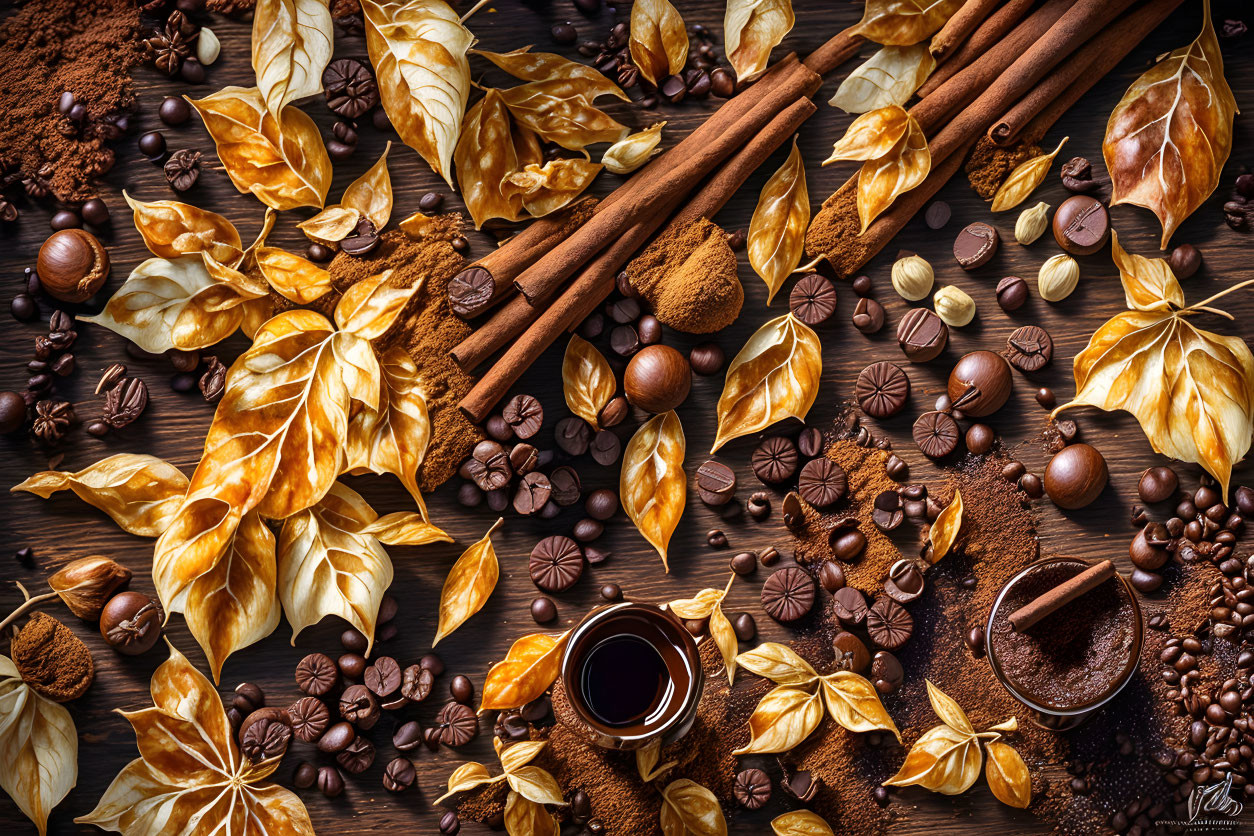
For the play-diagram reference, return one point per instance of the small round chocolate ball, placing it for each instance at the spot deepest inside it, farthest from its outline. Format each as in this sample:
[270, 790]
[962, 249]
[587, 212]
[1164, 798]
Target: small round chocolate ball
[980, 383]
[131, 622]
[1158, 484]
[175, 111]
[1075, 476]
[12, 412]
[657, 379]
[1184, 261]
[65, 219]
[980, 439]
[706, 358]
[72, 265]
[1081, 225]
[152, 144]
[96, 212]
[543, 610]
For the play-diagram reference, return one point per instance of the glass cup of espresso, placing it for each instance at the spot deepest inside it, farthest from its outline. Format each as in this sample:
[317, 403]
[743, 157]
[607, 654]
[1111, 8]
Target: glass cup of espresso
[632, 674]
[1073, 661]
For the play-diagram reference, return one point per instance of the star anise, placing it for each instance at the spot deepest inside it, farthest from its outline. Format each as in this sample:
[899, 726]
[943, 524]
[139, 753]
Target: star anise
[170, 45]
[350, 87]
[52, 419]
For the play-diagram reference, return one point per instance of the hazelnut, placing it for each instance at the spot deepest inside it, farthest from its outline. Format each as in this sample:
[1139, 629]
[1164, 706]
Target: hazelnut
[657, 379]
[72, 265]
[1032, 223]
[954, 306]
[86, 584]
[1057, 278]
[913, 278]
[131, 623]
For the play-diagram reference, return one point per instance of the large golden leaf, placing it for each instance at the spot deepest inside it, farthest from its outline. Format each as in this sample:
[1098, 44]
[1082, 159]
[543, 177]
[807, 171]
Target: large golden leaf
[658, 41]
[468, 776]
[484, 157]
[775, 376]
[872, 135]
[38, 747]
[1024, 179]
[526, 65]
[1169, 136]
[525, 817]
[778, 229]
[292, 276]
[371, 306]
[291, 47]
[881, 180]
[528, 669]
[543, 189]
[651, 483]
[280, 159]
[889, 77]
[778, 663]
[328, 565]
[418, 48]
[275, 441]
[234, 603]
[943, 760]
[405, 528]
[534, 784]
[947, 708]
[751, 29]
[469, 585]
[904, 22]
[689, 809]
[854, 703]
[800, 823]
[1008, 776]
[560, 110]
[190, 777]
[785, 717]
[587, 379]
[371, 193]
[177, 303]
[140, 492]
[171, 229]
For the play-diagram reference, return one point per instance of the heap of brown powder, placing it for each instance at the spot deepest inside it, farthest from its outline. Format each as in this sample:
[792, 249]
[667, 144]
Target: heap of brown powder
[688, 275]
[989, 164]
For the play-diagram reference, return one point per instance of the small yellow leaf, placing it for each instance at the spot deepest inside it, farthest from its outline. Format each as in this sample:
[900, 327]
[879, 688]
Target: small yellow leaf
[291, 47]
[517, 755]
[560, 110]
[647, 761]
[405, 528]
[697, 607]
[371, 193]
[854, 704]
[370, 307]
[543, 189]
[725, 637]
[689, 809]
[872, 135]
[1148, 283]
[943, 760]
[534, 784]
[171, 229]
[39, 747]
[944, 532]
[528, 669]
[525, 65]
[881, 180]
[469, 584]
[751, 29]
[486, 154]
[1024, 180]
[652, 485]
[631, 152]
[800, 823]
[948, 710]
[778, 227]
[587, 380]
[467, 777]
[527, 818]
[658, 40]
[1008, 776]
[291, 276]
[331, 225]
[778, 663]
[782, 720]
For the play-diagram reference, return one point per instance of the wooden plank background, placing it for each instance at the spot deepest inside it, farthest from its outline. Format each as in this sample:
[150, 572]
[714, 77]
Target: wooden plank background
[174, 425]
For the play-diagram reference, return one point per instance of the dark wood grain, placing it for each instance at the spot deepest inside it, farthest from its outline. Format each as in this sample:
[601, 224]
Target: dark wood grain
[174, 426]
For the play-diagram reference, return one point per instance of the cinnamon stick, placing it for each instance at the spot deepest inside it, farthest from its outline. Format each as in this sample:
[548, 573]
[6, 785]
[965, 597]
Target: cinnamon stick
[959, 27]
[1095, 60]
[988, 35]
[596, 281]
[1055, 599]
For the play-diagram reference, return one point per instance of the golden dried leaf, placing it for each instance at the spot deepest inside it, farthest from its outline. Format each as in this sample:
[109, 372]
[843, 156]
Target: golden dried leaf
[725, 638]
[587, 380]
[275, 441]
[689, 809]
[527, 818]
[1007, 775]
[371, 306]
[525, 65]
[1168, 138]
[658, 40]
[778, 663]
[778, 229]
[546, 188]
[944, 532]
[190, 774]
[800, 823]
[881, 181]
[331, 225]
[257, 312]
[418, 48]
[872, 135]
[652, 484]
[86, 584]
[943, 760]
[1024, 179]
[1148, 283]
[751, 29]
[467, 777]
[534, 784]
[560, 110]
[405, 528]
[904, 22]
[469, 584]
[517, 755]
[371, 193]
[296, 278]
[785, 717]
[39, 747]
[889, 77]
[141, 493]
[281, 160]
[234, 603]
[484, 157]
[291, 47]
[698, 607]
[855, 705]
[176, 303]
[775, 376]
[171, 229]
[631, 152]
[528, 669]
[947, 708]
[647, 761]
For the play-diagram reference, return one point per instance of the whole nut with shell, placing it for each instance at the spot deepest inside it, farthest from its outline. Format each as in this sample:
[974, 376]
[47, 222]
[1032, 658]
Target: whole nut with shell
[1032, 223]
[913, 278]
[954, 306]
[87, 584]
[72, 265]
[1058, 278]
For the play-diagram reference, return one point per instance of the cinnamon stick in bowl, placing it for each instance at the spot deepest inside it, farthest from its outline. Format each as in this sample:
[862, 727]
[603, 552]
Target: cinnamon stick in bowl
[1060, 596]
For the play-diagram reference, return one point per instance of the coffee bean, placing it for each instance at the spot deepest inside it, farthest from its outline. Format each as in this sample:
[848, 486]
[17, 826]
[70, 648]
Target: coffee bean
[831, 576]
[563, 33]
[744, 563]
[1157, 484]
[573, 435]
[722, 83]
[851, 653]
[330, 782]
[601, 504]
[1184, 261]
[769, 556]
[611, 592]
[706, 358]
[744, 626]
[937, 214]
[975, 640]
[810, 442]
[896, 468]
[1045, 397]
[715, 538]
[605, 448]
[847, 544]
[1012, 293]
[524, 414]
[587, 530]
[461, 689]
[979, 439]
[354, 641]
[759, 506]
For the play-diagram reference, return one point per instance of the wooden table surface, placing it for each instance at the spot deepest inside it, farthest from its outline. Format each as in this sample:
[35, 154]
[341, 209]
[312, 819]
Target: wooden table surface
[174, 425]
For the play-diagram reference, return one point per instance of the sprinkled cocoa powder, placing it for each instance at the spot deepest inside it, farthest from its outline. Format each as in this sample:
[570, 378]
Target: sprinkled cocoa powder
[688, 275]
[834, 232]
[989, 165]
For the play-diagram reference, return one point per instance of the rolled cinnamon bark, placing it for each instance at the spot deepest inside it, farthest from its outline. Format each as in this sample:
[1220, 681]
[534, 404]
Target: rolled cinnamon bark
[988, 35]
[1055, 599]
[959, 27]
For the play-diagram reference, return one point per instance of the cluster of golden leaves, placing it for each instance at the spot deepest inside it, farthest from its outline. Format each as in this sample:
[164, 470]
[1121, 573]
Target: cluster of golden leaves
[894, 154]
[789, 713]
[777, 230]
[190, 773]
[530, 788]
[708, 604]
[1169, 136]
[369, 196]
[775, 376]
[500, 167]
[751, 29]
[38, 747]
[652, 486]
[1024, 179]
[1191, 390]
[947, 758]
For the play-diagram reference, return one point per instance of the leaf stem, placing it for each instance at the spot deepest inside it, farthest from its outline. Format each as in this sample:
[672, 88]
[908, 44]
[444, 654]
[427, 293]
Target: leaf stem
[30, 604]
[476, 7]
[1201, 305]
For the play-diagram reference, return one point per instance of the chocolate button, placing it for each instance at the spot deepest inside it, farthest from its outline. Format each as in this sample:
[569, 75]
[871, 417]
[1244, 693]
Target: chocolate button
[922, 335]
[976, 245]
[1081, 225]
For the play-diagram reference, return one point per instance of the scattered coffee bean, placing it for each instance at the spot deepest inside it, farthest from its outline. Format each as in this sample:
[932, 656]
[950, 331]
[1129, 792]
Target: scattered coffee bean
[759, 506]
[1157, 484]
[937, 214]
[1012, 293]
[1184, 261]
[716, 539]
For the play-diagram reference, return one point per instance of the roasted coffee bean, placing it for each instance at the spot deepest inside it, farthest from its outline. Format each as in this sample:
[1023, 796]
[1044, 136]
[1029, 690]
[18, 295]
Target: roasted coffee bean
[896, 468]
[457, 724]
[752, 789]
[317, 674]
[587, 530]
[524, 414]
[937, 214]
[1184, 261]
[716, 539]
[847, 543]
[759, 505]
[330, 782]
[979, 439]
[461, 689]
[601, 504]
[624, 341]
[354, 641]
[769, 556]
[532, 493]
[357, 757]
[605, 448]
[1012, 293]
[744, 563]
[351, 665]
[744, 626]
[310, 718]
[383, 677]
[573, 435]
[336, 738]
[564, 484]
[706, 358]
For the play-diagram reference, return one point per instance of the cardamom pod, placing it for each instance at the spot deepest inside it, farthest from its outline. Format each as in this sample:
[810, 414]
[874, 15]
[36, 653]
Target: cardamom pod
[954, 306]
[1032, 223]
[913, 278]
[1057, 278]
